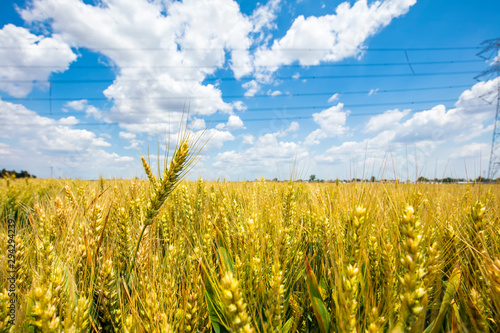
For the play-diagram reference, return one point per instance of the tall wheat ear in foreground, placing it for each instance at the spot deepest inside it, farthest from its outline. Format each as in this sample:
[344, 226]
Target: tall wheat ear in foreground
[166, 255]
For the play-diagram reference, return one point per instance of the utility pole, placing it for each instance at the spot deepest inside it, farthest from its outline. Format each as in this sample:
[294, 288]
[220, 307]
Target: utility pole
[492, 49]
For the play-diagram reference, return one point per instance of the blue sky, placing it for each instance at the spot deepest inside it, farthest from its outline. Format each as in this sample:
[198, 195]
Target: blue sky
[336, 89]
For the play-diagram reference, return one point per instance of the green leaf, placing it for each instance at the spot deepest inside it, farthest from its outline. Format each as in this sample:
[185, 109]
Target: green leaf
[226, 260]
[287, 326]
[451, 289]
[214, 308]
[318, 305]
[224, 257]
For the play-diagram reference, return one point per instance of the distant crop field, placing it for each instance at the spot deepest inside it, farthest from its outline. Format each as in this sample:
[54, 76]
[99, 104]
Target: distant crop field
[139, 256]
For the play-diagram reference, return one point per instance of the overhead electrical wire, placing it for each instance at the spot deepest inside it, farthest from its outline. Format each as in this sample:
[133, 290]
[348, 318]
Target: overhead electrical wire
[275, 77]
[379, 49]
[284, 109]
[309, 77]
[382, 64]
[352, 92]
[216, 121]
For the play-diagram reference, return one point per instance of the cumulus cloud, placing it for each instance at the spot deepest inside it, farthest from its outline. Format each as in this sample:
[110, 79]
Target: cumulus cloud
[471, 150]
[248, 139]
[429, 134]
[55, 142]
[332, 123]
[293, 127]
[164, 52]
[462, 123]
[90, 110]
[27, 58]
[334, 98]
[214, 139]
[131, 137]
[78, 105]
[252, 87]
[127, 135]
[386, 120]
[266, 153]
[263, 16]
[375, 146]
[274, 93]
[197, 124]
[44, 133]
[328, 38]
[234, 123]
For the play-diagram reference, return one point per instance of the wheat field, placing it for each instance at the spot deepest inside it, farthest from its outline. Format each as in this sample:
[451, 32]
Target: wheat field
[166, 255]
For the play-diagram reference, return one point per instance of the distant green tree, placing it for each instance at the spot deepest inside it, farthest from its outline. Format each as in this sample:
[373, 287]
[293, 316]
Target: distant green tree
[312, 178]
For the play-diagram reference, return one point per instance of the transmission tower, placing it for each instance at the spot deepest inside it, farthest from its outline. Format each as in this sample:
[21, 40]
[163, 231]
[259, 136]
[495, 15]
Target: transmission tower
[491, 49]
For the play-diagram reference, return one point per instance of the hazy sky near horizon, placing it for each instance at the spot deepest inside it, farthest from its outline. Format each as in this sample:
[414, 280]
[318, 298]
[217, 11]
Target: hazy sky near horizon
[339, 89]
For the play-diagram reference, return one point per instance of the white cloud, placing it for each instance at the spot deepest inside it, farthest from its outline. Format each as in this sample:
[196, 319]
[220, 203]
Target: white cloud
[45, 142]
[263, 16]
[4, 149]
[131, 137]
[78, 105]
[234, 123]
[214, 139]
[293, 127]
[27, 58]
[127, 135]
[68, 121]
[496, 59]
[315, 137]
[373, 92]
[94, 112]
[44, 133]
[197, 124]
[428, 134]
[328, 38]
[386, 120]
[252, 88]
[462, 123]
[334, 98]
[90, 110]
[332, 123]
[373, 147]
[193, 37]
[267, 153]
[274, 93]
[248, 139]
[471, 150]
[239, 105]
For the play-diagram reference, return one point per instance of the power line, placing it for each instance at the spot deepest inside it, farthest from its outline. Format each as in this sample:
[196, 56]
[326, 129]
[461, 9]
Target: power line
[382, 64]
[311, 77]
[316, 107]
[103, 123]
[176, 49]
[352, 92]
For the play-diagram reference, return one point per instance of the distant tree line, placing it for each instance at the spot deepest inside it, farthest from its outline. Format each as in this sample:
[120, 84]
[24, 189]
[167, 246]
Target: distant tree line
[21, 174]
[421, 179]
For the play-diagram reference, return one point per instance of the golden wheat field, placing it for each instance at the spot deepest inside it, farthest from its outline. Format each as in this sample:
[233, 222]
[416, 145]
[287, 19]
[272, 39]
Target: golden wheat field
[160, 255]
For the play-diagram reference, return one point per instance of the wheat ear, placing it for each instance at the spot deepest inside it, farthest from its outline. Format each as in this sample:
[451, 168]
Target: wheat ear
[177, 170]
